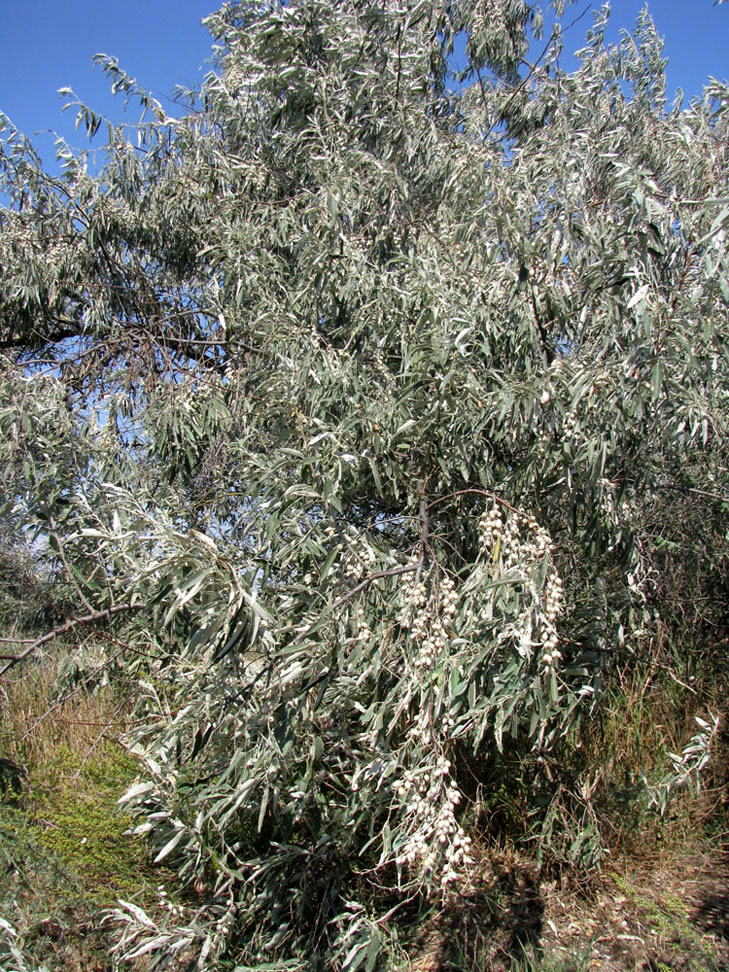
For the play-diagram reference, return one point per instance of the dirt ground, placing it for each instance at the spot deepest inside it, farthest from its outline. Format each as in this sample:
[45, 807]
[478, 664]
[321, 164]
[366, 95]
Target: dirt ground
[666, 916]
[675, 917]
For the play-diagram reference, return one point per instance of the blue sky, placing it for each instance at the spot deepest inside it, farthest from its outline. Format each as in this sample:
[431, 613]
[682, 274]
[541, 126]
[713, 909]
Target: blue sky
[696, 35]
[48, 44]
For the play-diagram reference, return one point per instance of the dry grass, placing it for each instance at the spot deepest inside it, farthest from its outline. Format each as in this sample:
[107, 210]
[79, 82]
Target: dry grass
[659, 903]
[648, 712]
[62, 837]
[41, 714]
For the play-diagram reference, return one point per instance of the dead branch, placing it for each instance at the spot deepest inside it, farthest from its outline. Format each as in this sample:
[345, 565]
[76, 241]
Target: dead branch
[105, 615]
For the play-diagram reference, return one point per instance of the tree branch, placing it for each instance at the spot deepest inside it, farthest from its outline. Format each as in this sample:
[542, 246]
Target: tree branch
[424, 532]
[12, 660]
[479, 492]
[71, 576]
[393, 572]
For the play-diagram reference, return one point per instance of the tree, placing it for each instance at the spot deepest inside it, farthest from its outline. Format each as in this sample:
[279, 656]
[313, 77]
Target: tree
[371, 386]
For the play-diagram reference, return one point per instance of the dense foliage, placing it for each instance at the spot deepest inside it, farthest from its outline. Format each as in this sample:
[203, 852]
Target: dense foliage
[380, 400]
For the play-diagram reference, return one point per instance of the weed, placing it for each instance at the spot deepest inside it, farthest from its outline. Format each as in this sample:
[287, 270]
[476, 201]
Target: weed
[667, 918]
[66, 854]
[533, 961]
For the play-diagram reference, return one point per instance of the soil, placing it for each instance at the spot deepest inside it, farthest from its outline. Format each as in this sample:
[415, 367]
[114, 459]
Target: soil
[665, 916]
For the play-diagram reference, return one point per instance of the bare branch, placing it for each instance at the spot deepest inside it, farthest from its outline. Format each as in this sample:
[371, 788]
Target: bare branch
[393, 572]
[69, 625]
[479, 492]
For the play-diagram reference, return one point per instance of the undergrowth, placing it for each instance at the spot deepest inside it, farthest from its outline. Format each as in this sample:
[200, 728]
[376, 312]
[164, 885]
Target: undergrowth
[66, 855]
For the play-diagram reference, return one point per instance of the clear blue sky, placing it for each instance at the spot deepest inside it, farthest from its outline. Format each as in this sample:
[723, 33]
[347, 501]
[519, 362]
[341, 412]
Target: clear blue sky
[696, 35]
[48, 44]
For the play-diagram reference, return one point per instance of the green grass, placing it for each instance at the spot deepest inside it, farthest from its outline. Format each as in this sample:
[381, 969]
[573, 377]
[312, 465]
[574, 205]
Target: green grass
[666, 916]
[75, 818]
[531, 961]
[67, 857]
[66, 854]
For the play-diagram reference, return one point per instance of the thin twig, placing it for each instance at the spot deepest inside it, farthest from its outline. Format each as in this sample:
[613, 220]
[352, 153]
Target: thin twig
[533, 67]
[479, 492]
[424, 533]
[393, 572]
[706, 494]
[95, 743]
[59, 703]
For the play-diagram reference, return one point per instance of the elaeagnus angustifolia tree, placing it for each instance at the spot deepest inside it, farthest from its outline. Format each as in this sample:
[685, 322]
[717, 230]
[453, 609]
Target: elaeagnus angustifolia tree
[362, 397]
